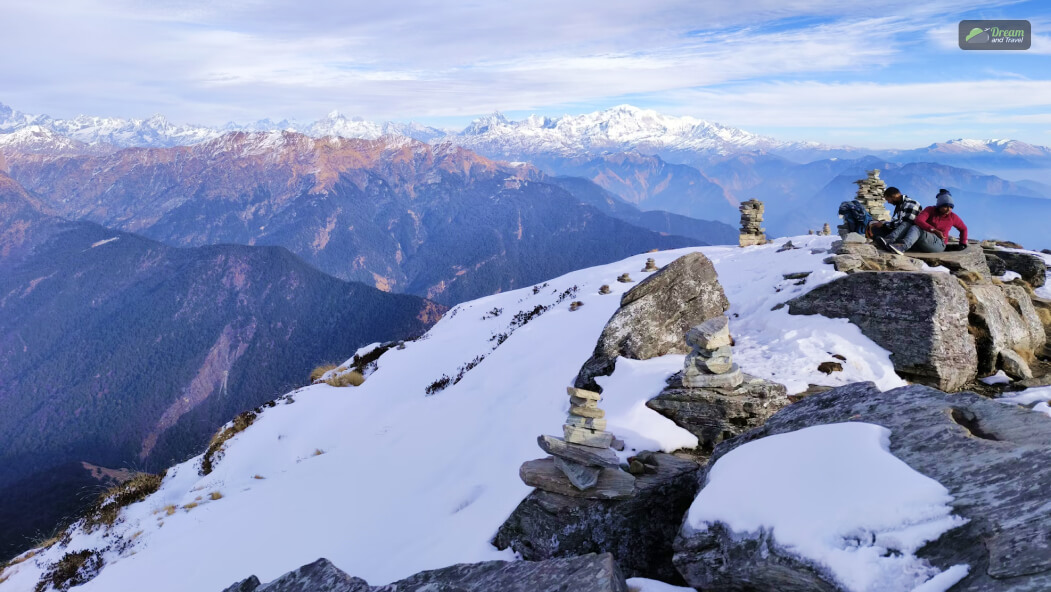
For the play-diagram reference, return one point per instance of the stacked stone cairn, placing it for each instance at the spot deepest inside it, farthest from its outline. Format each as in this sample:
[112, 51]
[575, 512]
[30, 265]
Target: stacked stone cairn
[826, 230]
[752, 232]
[710, 364]
[581, 464]
[651, 265]
[870, 195]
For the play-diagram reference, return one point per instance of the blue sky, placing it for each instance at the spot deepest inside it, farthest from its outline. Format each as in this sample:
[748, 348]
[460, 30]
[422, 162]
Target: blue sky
[875, 74]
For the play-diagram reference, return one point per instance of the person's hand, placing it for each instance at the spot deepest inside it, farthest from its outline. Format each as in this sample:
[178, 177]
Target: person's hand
[938, 233]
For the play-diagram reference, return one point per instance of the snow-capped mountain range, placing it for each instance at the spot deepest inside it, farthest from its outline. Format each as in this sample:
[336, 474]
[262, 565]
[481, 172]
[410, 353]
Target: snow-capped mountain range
[618, 129]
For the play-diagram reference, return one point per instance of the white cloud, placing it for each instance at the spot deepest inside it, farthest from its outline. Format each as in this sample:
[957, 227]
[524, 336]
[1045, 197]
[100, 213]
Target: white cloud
[208, 62]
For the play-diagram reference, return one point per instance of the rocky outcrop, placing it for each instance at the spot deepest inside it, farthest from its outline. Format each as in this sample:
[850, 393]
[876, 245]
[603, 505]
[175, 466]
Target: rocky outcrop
[654, 315]
[921, 318]
[589, 573]
[320, 576]
[1032, 268]
[1007, 329]
[991, 457]
[638, 531]
[717, 414]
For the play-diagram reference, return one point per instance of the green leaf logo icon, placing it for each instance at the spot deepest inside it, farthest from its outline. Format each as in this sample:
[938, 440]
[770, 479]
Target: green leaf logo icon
[974, 32]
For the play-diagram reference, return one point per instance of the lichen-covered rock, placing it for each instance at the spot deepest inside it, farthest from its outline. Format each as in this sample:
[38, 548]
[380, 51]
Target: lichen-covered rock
[1032, 268]
[654, 315]
[588, 573]
[921, 318]
[714, 415]
[638, 531]
[991, 457]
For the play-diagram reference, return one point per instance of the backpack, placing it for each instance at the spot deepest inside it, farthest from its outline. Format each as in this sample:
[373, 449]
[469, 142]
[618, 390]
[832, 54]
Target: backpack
[855, 216]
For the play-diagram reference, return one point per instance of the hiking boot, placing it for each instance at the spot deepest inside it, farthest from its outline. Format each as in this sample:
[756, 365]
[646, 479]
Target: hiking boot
[896, 248]
[881, 243]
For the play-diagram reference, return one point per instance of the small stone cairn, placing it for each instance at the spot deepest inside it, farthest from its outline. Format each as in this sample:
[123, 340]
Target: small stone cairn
[651, 265]
[710, 364]
[870, 195]
[581, 464]
[826, 230]
[752, 232]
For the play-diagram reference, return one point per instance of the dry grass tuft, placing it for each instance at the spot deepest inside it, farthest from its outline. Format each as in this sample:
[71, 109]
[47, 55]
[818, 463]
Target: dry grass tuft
[258, 477]
[73, 569]
[318, 452]
[352, 378]
[215, 448]
[317, 373]
[215, 495]
[190, 506]
[109, 504]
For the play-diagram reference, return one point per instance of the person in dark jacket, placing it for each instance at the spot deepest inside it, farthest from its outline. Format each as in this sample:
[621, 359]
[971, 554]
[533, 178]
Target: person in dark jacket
[905, 211]
[930, 233]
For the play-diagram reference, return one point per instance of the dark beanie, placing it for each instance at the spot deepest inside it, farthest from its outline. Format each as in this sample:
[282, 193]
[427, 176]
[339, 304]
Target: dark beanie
[944, 198]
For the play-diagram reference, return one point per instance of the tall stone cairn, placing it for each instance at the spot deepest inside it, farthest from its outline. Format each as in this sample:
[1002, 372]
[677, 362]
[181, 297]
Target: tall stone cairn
[581, 464]
[752, 232]
[826, 230]
[710, 364]
[870, 195]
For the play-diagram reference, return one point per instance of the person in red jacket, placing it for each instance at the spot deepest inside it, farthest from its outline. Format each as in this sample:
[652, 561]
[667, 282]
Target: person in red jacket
[930, 233]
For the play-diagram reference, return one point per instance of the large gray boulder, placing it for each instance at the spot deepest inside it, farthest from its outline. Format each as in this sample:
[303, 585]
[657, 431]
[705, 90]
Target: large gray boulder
[589, 573]
[1030, 267]
[921, 318]
[1006, 324]
[717, 414]
[991, 457]
[638, 531]
[655, 315]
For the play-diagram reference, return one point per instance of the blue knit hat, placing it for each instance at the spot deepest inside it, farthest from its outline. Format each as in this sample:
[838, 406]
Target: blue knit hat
[945, 198]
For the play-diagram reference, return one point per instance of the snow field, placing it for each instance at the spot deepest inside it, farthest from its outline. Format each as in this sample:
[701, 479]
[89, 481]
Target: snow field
[385, 480]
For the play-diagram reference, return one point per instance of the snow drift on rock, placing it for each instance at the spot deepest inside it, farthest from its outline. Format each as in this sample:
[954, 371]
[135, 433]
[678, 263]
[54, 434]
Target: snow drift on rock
[833, 494]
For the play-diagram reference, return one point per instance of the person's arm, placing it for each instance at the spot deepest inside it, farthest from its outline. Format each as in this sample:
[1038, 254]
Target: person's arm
[958, 224]
[923, 220]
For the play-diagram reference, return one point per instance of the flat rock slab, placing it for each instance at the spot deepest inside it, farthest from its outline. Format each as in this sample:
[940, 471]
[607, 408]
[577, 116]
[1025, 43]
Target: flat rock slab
[585, 455]
[638, 531]
[543, 474]
[970, 259]
[655, 315]
[714, 415]
[992, 457]
[587, 573]
[921, 318]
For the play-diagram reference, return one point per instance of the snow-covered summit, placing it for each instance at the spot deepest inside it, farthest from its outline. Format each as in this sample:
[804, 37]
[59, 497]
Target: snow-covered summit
[397, 476]
[40, 139]
[964, 146]
[619, 128]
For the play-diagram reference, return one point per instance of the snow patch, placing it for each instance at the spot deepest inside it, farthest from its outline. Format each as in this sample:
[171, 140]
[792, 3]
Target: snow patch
[104, 241]
[847, 503]
[999, 378]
